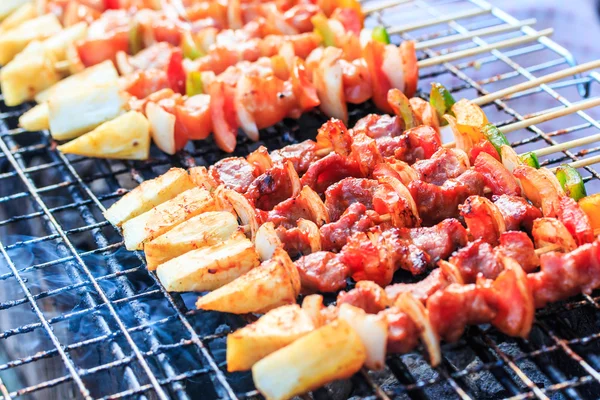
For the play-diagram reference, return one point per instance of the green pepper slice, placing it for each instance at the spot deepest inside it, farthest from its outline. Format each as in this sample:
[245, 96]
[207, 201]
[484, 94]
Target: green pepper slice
[530, 159]
[441, 100]
[193, 84]
[135, 38]
[571, 181]
[401, 106]
[321, 24]
[189, 47]
[380, 34]
[495, 137]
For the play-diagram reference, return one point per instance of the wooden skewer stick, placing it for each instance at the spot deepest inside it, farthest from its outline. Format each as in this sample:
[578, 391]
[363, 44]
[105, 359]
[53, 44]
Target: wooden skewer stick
[370, 10]
[567, 145]
[437, 20]
[428, 62]
[573, 108]
[586, 162]
[488, 98]
[479, 32]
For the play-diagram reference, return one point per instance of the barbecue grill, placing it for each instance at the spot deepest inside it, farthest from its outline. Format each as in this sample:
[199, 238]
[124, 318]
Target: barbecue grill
[82, 318]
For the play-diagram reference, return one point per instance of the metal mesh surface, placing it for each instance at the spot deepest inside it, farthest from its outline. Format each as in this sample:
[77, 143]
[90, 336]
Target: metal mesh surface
[80, 317]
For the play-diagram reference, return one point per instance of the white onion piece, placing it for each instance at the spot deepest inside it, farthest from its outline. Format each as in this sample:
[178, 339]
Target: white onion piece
[311, 200]
[538, 189]
[294, 179]
[417, 312]
[312, 231]
[463, 140]
[366, 35]
[392, 66]
[240, 205]
[162, 124]
[244, 116]
[510, 159]
[403, 192]
[327, 78]
[552, 232]
[266, 241]
[372, 330]
[451, 272]
[313, 305]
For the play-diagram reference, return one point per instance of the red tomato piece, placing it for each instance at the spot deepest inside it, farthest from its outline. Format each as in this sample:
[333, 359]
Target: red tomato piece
[222, 113]
[483, 146]
[373, 54]
[176, 73]
[193, 118]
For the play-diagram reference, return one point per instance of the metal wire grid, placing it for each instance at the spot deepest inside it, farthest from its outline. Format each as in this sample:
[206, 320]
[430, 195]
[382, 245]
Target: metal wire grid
[122, 335]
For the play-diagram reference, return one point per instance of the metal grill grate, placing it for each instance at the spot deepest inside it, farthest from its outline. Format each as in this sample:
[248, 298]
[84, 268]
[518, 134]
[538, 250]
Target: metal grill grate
[81, 317]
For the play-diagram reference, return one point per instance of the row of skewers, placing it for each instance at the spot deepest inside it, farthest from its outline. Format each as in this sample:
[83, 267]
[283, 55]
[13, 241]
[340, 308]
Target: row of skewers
[255, 232]
[141, 71]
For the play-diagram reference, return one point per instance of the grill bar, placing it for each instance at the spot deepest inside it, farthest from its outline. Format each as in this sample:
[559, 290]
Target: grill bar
[167, 354]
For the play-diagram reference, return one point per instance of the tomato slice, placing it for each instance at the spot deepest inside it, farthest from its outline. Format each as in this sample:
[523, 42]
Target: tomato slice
[410, 66]
[350, 19]
[223, 116]
[303, 89]
[144, 83]
[373, 54]
[193, 118]
[95, 51]
[176, 73]
[483, 146]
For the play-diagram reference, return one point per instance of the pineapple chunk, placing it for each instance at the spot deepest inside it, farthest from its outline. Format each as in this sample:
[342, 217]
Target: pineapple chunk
[202, 230]
[267, 286]
[28, 74]
[57, 44]
[23, 13]
[125, 137]
[166, 216]
[96, 75]
[75, 113]
[274, 330]
[7, 7]
[329, 353]
[210, 267]
[35, 119]
[15, 40]
[149, 195]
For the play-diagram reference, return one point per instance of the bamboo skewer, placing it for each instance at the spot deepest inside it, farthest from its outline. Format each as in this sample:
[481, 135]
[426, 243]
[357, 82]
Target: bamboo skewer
[586, 162]
[488, 98]
[437, 20]
[428, 62]
[573, 108]
[479, 32]
[584, 105]
[370, 10]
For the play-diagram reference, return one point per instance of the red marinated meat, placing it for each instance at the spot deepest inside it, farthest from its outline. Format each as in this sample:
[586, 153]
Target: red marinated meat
[518, 246]
[365, 152]
[355, 219]
[436, 203]
[413, 145]
[270, 188]
[366, 260]
[421, 289]
[401, 253]
[295, 241]
[476, 258]
[517, 212]
[339, 196]
[439, 241]
[403, 334]
[496, 176]
[575, 220]
[329, 170]
[444, 164]
[234, 172]
[377, 126]
[366, 295]
[483, 219]
[563, 275]
[322, 272]
[455, 307]
[301, 155]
